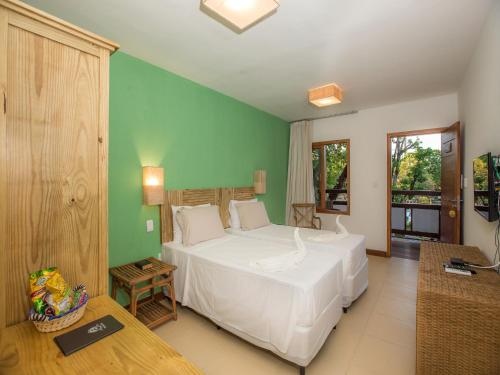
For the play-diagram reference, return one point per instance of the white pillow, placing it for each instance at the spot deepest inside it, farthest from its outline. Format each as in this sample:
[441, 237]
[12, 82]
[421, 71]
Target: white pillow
[177, 228]
[252, 215]
[200, 224]
[234, 217]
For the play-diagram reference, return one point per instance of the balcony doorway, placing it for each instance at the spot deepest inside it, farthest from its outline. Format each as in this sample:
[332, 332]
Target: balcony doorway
[414, 191]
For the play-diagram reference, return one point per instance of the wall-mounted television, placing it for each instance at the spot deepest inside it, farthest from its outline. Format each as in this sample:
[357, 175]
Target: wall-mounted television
[486, 170]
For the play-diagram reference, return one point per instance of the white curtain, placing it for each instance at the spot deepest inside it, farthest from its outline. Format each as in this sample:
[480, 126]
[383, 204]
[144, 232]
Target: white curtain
[300, 187]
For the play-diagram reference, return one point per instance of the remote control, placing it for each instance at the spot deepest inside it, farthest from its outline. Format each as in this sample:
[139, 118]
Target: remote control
[457, 271]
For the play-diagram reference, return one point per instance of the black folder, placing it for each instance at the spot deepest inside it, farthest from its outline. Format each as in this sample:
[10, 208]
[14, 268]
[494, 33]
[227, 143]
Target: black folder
[83, 336]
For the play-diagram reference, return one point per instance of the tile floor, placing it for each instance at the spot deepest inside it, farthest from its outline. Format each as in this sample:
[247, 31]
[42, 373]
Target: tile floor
[376, 336]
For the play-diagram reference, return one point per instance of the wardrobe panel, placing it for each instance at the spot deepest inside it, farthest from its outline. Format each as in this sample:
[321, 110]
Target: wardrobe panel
[52, 165]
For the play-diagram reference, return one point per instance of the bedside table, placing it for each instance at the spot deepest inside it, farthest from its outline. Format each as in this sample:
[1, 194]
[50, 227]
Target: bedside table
[136, 282]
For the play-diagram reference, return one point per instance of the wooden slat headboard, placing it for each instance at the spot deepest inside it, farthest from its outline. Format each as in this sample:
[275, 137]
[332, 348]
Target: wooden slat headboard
[192, 197]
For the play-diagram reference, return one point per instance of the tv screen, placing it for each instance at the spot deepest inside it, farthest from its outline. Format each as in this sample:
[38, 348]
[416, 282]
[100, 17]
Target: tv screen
[496, 174]
[486, 186]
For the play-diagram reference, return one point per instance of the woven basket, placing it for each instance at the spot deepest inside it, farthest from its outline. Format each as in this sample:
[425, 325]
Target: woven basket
[60, 322]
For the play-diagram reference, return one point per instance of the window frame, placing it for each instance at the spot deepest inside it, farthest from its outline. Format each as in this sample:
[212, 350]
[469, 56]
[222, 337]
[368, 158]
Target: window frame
[322, 180]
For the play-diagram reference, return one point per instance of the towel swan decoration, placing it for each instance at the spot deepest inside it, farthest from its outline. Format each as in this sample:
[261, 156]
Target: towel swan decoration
[292, 259]
[283, 262]
[340, 233]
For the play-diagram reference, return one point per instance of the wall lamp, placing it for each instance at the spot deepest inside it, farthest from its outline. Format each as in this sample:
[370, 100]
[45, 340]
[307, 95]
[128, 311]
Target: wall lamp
[259, 181]
[152, 186]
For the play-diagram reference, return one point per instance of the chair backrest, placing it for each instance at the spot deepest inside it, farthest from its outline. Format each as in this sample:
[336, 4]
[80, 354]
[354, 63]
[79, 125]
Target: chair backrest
[303, 214]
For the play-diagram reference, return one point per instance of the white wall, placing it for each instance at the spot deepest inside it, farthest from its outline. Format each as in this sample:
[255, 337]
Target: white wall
[367, 131]
[479, 99]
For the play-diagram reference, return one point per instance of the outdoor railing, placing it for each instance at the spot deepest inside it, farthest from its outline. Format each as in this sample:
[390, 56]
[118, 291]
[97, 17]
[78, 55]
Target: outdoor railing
[416, 219]
[332, 201]
[332, 195]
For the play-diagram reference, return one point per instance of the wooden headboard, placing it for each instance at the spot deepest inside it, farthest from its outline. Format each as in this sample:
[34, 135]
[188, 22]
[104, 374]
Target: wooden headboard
[216, 196]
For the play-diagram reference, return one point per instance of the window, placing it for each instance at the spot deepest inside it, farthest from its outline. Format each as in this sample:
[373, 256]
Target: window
[331, 176]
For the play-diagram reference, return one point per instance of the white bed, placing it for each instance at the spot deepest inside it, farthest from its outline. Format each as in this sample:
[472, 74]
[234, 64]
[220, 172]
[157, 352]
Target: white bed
[290, 313]
[351, 249]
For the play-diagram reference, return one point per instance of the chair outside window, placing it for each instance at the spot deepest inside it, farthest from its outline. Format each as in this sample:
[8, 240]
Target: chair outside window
[304, 215]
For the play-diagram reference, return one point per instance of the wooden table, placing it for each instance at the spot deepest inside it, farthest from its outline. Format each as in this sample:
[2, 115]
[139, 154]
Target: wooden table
[132, 350]
[136, 282]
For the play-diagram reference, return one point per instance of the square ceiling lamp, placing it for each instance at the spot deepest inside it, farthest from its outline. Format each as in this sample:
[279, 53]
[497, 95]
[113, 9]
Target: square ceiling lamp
[326, 95]
[241, 14]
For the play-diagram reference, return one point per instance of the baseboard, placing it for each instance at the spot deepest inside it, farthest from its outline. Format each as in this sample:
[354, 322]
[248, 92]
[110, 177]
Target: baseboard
[377, 253]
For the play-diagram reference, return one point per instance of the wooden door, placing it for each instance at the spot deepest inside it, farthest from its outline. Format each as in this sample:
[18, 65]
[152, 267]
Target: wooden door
[51, 163]
[451, 192]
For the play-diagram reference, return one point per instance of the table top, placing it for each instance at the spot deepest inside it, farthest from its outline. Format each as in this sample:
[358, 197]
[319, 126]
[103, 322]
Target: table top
[132, 350]
[484, 286]
[130, 274]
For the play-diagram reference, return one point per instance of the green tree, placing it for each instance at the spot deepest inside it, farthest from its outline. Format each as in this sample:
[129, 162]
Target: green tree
[316, 155]
[423, 170]
[336, 162]
[419, 169]
[400, 147]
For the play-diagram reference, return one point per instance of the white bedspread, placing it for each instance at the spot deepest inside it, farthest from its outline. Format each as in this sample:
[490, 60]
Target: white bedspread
[279, 263]
[216, 279]
[351, 249]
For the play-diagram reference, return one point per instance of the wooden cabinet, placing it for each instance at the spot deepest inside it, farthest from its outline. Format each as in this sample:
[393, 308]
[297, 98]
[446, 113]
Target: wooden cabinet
[53, 154]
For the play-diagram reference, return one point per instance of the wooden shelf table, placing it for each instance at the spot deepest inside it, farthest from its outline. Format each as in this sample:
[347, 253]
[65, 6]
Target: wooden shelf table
[136, 282]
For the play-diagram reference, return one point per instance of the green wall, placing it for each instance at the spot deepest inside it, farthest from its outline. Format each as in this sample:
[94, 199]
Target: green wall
[202, 138]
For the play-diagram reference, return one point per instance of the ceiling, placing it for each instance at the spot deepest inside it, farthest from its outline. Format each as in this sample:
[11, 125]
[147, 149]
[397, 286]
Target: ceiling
[380, 52]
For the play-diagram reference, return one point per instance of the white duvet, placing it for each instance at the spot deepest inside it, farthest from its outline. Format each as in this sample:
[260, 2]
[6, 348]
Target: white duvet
[283, 262]
[290, 312]
[351, 249]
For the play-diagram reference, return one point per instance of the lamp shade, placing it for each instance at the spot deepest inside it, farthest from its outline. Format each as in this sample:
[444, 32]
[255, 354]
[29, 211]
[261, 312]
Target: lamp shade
[241, 14]
[259, 181]
[152, 185]
[326, 95]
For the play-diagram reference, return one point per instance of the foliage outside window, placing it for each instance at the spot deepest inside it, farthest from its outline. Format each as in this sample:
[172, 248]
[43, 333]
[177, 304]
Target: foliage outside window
[331, 176]
[415, 167]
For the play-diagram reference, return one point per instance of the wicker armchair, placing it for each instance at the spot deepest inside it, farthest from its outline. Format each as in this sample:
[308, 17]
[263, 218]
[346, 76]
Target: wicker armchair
[304, 215]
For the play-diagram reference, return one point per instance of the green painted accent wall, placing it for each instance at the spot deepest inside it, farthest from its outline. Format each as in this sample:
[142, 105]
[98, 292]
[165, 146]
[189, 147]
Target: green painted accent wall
[201, 137]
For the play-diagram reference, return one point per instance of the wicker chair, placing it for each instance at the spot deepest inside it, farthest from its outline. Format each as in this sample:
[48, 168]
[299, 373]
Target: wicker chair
[303, 213]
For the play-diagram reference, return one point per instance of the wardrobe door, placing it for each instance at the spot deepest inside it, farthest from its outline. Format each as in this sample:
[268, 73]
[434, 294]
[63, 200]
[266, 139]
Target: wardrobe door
[52, 164]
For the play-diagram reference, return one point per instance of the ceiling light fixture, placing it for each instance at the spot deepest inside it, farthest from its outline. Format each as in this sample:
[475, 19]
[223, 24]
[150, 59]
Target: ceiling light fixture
[240, 14]
[326, 95]
[239, 5]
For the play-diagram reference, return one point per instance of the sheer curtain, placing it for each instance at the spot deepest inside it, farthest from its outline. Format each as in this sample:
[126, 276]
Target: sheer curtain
[300, 188]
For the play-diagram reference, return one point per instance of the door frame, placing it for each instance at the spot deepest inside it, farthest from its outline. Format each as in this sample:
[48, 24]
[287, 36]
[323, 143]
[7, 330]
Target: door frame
[389, 176]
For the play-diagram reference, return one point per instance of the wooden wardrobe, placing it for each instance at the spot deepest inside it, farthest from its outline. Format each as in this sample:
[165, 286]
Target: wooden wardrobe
[54, 81]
